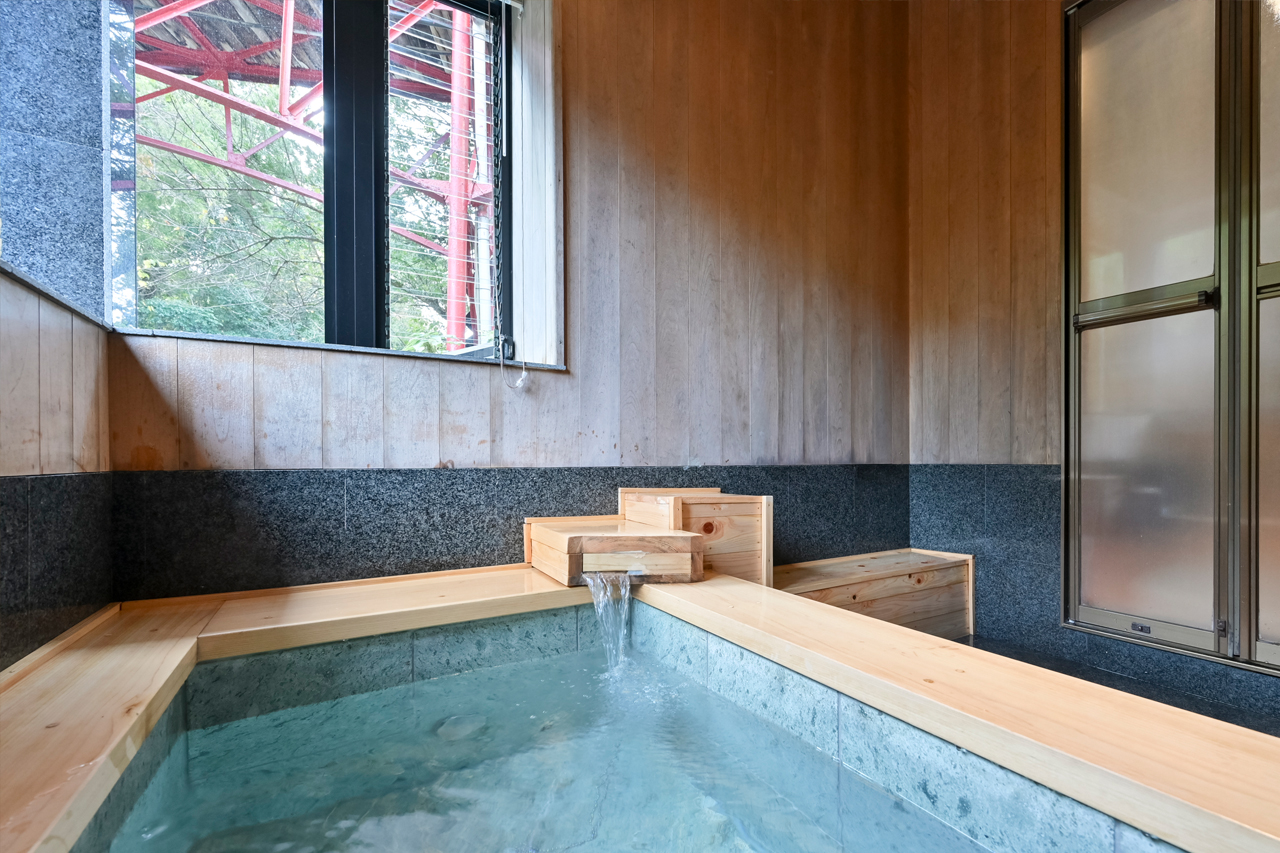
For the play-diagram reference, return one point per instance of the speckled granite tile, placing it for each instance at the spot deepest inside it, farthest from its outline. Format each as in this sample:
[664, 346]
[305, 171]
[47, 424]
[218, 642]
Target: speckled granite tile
[876, 819]
[161, 759]
[15, 638]
[220, 691]
[948, 507]
[1020, 602]
[589, 627]
[1023, 513]
[670, 641]
[1130, 840]
[1003, 811]
[785, 698]
[450, 649]
[54, 187]
[71, 524]
[72, 37]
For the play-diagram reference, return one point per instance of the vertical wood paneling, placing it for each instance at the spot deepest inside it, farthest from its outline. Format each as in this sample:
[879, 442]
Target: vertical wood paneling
[995, 436]
[986, 144]
[704, 359]
[143, 382]
[57, 420]
[637, 283]
[410, 413]
[764, 33]
[863, 298]
[673, 267]
[88, 394]
[812, 176]
[795, 112]
[838, 158]
[352, 410]
[464, 416]
[215, 404]
[736, 189]
[19, 379]
[597, 281]
[287, 415]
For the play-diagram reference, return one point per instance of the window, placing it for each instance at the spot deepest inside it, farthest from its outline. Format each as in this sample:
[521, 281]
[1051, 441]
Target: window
[1173, 452]
[335, 171]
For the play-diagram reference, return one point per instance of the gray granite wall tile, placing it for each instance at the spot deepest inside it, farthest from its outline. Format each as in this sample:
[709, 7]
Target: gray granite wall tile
[450, 649]
[161, 757]
[1130, 840]
[772, 692]
[221, 691]
[1003, 811]
[192, 532]
[671, 641]
[55, 567]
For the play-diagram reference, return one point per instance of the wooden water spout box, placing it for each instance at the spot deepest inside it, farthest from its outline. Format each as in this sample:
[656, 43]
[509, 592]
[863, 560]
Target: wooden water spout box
[564, 548]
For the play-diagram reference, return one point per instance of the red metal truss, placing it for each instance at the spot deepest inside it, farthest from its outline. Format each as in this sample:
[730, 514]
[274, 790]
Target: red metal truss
[182, 68]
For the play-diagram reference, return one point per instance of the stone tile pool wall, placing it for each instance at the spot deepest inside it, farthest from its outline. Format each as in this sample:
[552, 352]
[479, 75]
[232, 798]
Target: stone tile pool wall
[999, 809]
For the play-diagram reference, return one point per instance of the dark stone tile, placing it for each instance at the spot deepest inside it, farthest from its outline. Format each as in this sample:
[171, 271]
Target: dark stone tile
[15, 628]
[1020, 602]
[882, 515]
[220, 691]
[223, 531]
[71, 38]
[1024, 512]
[70, 562]
[54, 209]
[948, 510]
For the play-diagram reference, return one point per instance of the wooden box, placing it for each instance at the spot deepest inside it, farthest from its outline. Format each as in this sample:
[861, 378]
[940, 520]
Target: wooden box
[564, 548]
[737, 530]
[930, 591]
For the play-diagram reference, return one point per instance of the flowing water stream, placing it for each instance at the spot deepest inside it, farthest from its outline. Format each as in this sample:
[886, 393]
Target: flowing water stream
[611, 593]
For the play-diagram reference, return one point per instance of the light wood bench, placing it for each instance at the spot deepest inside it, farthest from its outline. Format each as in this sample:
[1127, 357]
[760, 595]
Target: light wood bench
[930, 591]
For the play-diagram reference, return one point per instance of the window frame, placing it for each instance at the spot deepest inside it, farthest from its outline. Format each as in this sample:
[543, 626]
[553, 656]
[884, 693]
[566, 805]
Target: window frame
[1233, 292]
[357, 266]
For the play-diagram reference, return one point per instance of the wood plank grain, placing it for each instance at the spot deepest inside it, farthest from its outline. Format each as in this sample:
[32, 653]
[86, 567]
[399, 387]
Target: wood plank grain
[728, 534]
[948, 626]
[19, 379]
[764, 32]
[287, 411]
[215, 404]
[704, 359]
[637, 285]
[963, 377]
[995, 353]
[838, 159]
[1029, 231]
[844, 595]
[598, 323]
[464, 416]
[792, 127]
[57, 390]
[410, 413]
[736, 191]
[88, 394]
[514, 415]
[1055, 274]
[352, 410]
[915, 211]
[935, 228]
[815, 102]
[864, 306]
[673, 267]
[71, 727]
[143, 397]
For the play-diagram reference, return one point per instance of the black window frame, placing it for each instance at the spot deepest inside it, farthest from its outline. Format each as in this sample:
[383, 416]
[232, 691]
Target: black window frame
[357, 274]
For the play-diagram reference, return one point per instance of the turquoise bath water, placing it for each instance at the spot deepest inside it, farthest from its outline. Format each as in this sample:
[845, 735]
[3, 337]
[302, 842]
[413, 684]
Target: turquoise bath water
[552, 755]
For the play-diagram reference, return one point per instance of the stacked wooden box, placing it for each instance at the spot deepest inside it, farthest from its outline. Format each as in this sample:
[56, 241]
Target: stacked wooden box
[659, 536]
[930, 591]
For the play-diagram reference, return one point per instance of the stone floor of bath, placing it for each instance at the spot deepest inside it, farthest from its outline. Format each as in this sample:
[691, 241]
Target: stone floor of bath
[1260, 722]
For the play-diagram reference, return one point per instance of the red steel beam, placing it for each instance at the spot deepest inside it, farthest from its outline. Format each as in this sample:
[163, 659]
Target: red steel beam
[239, 168]
[286, 55]
[230, 101]
[456, 300]
[419, 239]
[167, 13]
[412, 17]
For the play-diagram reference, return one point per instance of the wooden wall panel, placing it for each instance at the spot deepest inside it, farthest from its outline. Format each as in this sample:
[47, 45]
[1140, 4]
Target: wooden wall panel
[985, 195]
[215, 405]
[736, 262]
[53, 386]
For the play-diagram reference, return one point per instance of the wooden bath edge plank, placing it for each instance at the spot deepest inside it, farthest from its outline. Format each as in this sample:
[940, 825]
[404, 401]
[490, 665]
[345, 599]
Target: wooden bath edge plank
[1196, 782]
[69, 729]
[26, 665]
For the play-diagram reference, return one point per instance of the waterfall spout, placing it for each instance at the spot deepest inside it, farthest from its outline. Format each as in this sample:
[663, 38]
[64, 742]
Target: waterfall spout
[611, 592]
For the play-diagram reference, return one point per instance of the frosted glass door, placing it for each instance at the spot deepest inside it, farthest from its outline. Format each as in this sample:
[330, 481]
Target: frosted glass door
[1146, 146]
[1269, 135]
[1147, 449]
[1269, 470]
